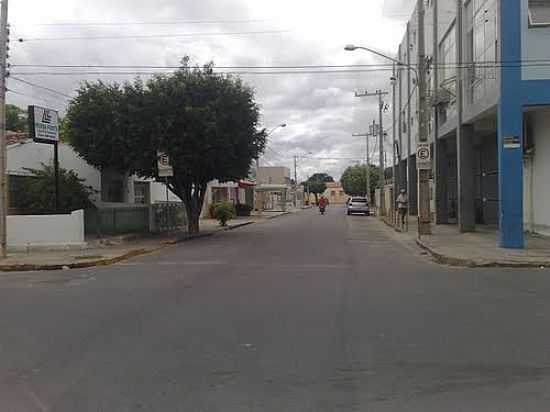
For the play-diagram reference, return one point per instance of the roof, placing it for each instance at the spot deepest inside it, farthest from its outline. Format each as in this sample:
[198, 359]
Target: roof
[16, 137]
[334, 185]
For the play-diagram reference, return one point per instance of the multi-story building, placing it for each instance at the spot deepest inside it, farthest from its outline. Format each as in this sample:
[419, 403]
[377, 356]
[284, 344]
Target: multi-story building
[489, 90]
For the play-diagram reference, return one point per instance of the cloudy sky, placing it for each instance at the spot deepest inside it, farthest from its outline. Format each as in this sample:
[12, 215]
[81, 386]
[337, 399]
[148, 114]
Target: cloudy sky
[319, 108]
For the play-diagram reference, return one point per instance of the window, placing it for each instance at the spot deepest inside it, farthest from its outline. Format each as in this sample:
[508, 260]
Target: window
[539, 13]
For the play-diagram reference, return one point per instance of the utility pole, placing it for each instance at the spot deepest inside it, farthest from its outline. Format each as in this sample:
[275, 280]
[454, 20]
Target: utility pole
[4, 38]
[423, 169]
[382, 177]
[394, 136]
[295, 181]
[371, 132]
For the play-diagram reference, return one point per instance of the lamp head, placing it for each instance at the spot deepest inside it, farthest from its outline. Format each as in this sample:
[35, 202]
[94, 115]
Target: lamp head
[350, 47]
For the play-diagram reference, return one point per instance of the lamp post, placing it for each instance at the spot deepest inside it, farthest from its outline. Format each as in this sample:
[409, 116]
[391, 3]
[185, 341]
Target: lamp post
[423, 174]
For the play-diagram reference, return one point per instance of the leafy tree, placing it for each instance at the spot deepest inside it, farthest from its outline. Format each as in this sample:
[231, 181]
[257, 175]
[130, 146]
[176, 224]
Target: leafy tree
[354, 180]
[323, 177]
[37, 194]
[317, 184]
[206, 122]
[16, 119]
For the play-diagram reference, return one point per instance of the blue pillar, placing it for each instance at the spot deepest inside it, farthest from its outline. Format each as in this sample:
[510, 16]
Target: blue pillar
[510, 168]
[510, 130]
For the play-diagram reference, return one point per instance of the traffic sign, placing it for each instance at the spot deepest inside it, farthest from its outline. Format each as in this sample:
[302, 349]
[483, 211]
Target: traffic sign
[44, 124]
[164, 167]
[423, 156]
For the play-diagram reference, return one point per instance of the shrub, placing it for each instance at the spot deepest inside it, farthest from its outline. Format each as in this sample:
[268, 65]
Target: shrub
[223, 212]
[242, 209]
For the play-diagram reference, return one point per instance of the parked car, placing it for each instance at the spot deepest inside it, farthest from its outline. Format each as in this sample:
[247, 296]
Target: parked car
[358, 205]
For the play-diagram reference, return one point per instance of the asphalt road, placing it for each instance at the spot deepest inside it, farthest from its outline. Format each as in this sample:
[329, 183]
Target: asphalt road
[302, 313]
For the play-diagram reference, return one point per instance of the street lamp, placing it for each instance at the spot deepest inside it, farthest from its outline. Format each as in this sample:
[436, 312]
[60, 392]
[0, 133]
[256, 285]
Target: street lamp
[351, 47]
[282, 125]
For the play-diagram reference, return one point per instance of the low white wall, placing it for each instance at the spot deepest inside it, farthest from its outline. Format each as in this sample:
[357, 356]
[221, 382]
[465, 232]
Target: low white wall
[46, 231]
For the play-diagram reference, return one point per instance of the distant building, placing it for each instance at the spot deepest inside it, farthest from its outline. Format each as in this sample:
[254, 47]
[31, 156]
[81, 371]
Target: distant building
[335, 193]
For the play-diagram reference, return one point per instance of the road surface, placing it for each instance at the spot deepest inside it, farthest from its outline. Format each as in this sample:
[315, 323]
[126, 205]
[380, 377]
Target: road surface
[303, 313]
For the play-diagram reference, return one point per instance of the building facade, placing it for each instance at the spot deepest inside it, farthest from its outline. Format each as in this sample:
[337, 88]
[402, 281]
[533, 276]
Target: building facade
[489, 91]
[335, 193]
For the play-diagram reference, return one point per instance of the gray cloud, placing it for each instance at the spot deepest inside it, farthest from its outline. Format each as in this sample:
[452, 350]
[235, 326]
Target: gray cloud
[320, 109]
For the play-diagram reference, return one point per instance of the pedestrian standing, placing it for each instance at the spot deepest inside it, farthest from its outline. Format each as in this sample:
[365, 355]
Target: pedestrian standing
[402, 206]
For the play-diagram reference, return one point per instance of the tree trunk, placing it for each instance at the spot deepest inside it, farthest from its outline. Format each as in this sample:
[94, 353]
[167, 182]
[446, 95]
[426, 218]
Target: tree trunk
[316, 198]
[193, 226]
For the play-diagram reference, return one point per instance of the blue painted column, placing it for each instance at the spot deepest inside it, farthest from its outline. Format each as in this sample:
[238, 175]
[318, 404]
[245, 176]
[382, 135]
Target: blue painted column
[510, 130]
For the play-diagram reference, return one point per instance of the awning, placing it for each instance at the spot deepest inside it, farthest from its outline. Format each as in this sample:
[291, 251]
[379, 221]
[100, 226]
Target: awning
[246, 184]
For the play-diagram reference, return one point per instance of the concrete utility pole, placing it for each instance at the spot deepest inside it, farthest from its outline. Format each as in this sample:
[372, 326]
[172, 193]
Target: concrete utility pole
[394, 134]
[295, 181]
[423, 169]
[382, 178]
[4, 38]
[372, 132]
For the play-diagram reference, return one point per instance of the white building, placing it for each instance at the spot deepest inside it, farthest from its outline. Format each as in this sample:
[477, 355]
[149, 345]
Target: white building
[491, 152]
[108, 186]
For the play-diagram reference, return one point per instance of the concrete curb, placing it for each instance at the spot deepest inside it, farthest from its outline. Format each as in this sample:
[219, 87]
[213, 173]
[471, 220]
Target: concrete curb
[78, 265]
[473, 263]
[123, 257]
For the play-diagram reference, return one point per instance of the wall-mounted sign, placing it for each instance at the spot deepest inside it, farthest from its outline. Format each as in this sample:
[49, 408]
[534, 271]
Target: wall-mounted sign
[423, 156]
[512, 142]
[43, 124]
[163, 164]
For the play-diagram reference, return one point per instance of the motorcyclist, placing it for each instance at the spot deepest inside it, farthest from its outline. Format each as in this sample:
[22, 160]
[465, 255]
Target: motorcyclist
[322, 204]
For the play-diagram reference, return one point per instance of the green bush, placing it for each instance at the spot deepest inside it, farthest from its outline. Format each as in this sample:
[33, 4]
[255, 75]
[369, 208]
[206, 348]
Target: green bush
[223, 212]
[211, 209]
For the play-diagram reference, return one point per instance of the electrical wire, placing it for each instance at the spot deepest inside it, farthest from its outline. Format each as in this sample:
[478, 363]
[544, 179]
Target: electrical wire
[28, 96]
[151, 23]
[235, 72]
[150, 36]
[37, 86]
[479, 64]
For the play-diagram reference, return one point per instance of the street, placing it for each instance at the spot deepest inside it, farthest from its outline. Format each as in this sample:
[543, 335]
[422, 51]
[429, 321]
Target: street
[301, 313]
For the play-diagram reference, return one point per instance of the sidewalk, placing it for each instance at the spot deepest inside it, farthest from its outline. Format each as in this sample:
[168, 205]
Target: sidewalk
[478, 249]
[113, 250]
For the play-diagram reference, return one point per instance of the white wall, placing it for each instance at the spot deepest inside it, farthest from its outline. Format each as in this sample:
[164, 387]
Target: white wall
[158, 193]
[46, 231]
[32, 155]
[541, 172]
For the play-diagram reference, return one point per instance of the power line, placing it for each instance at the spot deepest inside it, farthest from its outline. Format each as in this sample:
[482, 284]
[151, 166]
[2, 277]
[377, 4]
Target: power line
[236, 72]
[150, 36]
[479, 64]
[106, 66]
[28, 96]
[151, 23]
[37, 86]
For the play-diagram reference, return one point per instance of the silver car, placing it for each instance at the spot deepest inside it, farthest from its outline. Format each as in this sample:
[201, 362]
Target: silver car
[358, 205]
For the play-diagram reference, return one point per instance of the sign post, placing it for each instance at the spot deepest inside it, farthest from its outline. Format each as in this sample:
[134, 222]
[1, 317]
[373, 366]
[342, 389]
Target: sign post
[44, 128]
[165, 170]
[424, 156]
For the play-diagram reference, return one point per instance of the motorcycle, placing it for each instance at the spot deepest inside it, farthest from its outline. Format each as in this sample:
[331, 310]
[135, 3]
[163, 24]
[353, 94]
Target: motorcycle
[322, 209]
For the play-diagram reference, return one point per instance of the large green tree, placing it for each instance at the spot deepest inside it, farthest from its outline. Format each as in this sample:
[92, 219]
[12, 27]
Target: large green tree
[354, 180]
[16, 119]
[317, 184]
[206, 122]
